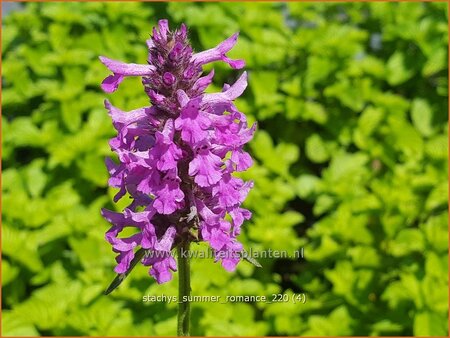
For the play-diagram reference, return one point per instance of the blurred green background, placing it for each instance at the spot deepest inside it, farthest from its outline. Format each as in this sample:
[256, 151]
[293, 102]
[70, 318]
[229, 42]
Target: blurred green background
[351, 164]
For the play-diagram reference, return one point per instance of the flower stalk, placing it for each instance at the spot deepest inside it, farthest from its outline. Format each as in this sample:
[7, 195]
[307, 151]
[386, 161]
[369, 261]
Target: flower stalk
[184, 289]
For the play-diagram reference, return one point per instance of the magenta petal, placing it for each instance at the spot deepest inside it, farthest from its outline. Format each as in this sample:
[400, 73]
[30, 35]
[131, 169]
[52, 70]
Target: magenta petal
[169, 157]
[161, 270]
[218, 239]
[111, 83]
[116, 218]
[139, 217]
[126, 69]
[227, 44]
[235, 64]
[230, 264]
[163, 26]
[149, 43]
[238, 215]
[228, 191]
[148, 237]
[120, 193]
[206, 169]
[162, 275]
[124, 118]
[232, 93]
[242, 159]
[203, 82]
[155, 97]
[126, 244]
[182, 97]
[218, 53]
[165, 243]
[206, 213]
[124, 259]
[169, 196]
[169, 79]
[182, 32]
[168, 132]
[165, 152]
[193, 122]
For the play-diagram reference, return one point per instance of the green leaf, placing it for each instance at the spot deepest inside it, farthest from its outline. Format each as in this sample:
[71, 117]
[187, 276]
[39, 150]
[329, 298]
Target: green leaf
[436, 62]
[370, 119]
[9, 272]
[13, 326]
[436, 290]
[398, 71]
[337, 322]
[288, 153]
[386, 326]
[323, 204]
[430, 324]
[262, 146]
[36, 179]
[264, 86]
[328, 248]
[93, 169]
[21, 246]
[22, 132]
[120, 277]
[316, 149]
[405, 138]
[412, 288]
[307, 185]
[437, 147]
[345, 165]
[436, 232]
[422, 116]
[407, 241]
[438, 197]
[364, 256]
[314, 111]
[48, 306]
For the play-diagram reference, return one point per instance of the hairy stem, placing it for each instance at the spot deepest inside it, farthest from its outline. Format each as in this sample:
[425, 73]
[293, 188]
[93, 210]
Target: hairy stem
[184, 289]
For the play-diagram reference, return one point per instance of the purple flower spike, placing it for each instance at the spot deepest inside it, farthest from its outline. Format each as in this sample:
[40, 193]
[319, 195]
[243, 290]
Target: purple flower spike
[177, 157]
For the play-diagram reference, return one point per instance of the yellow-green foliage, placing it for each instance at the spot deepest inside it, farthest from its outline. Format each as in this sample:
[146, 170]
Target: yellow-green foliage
[351, 165]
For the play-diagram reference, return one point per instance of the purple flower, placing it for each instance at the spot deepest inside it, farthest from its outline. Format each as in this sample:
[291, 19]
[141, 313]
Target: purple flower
[177, 157]
[205, 167]
[165, 152]
[193, 122]
[169, 196]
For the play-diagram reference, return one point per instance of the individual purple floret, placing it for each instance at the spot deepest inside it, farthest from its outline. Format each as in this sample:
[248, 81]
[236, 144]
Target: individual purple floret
[177, 156]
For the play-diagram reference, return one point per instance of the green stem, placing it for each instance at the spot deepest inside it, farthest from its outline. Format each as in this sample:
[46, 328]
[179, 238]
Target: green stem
[184, 289]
